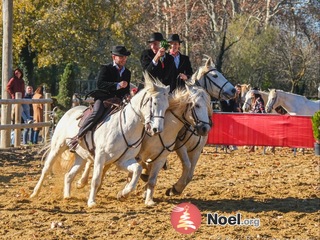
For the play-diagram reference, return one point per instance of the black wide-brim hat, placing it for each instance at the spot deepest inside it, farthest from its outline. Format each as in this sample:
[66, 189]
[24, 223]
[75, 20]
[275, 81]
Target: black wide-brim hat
[174, 38]
[156, 36]
[120, 51]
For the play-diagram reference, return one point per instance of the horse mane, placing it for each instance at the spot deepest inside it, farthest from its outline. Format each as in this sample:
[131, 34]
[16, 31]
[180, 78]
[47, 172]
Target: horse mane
[201, 91]
[179, 98]
[289, 93]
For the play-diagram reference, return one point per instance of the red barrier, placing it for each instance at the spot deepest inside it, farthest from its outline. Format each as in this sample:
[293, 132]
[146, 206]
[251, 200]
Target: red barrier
[261, 130]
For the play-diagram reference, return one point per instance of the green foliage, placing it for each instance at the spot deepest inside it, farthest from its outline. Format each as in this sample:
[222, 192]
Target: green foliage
[164, 44]
[316, 125]
[66, 86]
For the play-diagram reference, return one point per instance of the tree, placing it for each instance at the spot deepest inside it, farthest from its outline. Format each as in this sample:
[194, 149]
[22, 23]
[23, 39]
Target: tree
[66, 87]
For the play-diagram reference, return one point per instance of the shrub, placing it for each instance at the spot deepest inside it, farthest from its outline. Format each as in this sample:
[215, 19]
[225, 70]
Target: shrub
[316, 125]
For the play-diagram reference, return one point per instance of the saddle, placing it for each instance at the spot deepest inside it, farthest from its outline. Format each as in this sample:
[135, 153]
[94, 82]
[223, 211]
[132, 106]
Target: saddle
[112, 105]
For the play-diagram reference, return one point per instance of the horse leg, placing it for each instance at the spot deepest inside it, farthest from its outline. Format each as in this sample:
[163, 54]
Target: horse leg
[152, 181]
[178, 187]
[189, 162]
[105, 169]
[134, 168]
[55, 151]
[69, 176]
[99, 161]
[85, 175]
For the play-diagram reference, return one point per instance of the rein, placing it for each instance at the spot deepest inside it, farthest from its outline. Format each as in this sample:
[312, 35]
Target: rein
[211, 82]
[187, 125]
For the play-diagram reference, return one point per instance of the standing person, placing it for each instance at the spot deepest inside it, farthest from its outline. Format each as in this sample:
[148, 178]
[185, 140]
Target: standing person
[37, 112]
[157, 62]
[29, 109]
[257, 106]
[182, 62]
[16, 84]
[257, 102]
[113, 81]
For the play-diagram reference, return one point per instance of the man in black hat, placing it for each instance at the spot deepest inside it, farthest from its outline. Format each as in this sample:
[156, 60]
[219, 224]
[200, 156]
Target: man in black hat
[113, 82]
[182, 62]
[157, 62]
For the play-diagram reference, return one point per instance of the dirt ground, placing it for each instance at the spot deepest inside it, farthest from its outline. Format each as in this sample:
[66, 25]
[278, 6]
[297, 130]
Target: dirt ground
[280, 190]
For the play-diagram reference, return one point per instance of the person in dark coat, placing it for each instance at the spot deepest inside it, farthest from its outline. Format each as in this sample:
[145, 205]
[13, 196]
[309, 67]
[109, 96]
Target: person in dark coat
[182, 62]
[113, 82]
[157, 62]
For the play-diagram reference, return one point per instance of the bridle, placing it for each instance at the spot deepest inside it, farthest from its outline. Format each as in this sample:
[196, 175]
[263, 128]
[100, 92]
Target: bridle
[151, 116]
[211, 82]
[272, 102]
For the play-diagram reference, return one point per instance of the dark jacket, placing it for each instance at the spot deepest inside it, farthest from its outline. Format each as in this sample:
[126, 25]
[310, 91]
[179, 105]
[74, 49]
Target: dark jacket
[164, 72]
[108, 79]
[184, 67]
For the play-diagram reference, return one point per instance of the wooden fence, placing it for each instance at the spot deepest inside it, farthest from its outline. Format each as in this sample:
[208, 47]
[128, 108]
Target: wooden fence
[6, 127]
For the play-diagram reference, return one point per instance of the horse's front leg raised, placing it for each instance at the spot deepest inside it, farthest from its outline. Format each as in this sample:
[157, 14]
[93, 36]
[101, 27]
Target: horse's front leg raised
[134, 169]
[69, 176]
[152, 181]
[96, 178]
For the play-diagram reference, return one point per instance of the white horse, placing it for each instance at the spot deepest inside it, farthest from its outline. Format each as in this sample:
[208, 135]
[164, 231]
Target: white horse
[189, 144]
[244, 89]
[190, 110]
[248, 100]
[294, 104]
[117, 140]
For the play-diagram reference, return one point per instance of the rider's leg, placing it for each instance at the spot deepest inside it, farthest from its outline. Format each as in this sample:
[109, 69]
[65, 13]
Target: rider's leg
[88, 124]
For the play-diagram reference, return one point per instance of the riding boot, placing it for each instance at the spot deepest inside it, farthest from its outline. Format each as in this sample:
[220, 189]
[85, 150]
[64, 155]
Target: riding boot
[73, 144]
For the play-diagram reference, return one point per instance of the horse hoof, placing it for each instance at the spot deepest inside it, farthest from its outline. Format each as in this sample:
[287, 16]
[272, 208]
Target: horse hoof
[121, 197]
[33, 195]
[80, 185]
[169, 192]
[172, 191]
[66, 197]
[150, 203]
[92, 204]
[144, 177]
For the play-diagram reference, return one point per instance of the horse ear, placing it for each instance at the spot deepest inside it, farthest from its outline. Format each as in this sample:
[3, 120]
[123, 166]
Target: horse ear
[190, 81]
[208, 62]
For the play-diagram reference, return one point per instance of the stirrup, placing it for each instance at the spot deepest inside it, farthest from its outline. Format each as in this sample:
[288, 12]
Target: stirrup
[73, 144]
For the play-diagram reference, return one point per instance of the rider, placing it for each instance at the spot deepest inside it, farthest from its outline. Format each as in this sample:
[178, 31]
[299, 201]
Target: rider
[182, 62]
[113, 81]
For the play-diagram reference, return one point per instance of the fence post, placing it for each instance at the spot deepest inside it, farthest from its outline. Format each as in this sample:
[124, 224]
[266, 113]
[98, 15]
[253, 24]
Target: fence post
[47, 111]
[17, 120]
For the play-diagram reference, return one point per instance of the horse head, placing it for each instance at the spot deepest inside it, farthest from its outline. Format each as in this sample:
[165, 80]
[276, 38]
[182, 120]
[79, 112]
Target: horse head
[213, 81]
[193, 105]
[272, 97]
[153, 104]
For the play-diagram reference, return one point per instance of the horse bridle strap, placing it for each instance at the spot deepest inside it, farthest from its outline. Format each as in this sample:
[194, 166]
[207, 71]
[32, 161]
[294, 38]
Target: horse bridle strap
[211, 82]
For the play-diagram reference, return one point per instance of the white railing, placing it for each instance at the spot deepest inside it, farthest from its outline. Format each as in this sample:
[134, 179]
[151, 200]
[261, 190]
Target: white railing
[17, 126]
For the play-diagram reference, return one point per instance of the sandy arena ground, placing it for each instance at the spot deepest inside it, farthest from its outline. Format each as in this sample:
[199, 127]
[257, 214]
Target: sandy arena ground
[280, 190]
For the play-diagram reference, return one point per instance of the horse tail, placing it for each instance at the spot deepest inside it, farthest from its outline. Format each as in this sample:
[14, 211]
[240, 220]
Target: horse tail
[63, 162]
[66, 160]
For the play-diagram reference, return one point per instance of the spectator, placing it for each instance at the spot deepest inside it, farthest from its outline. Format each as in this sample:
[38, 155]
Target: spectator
[16, 84]
[257, 106]
[182, 62]
[157, 62]
[29, 109]
[37, 112]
